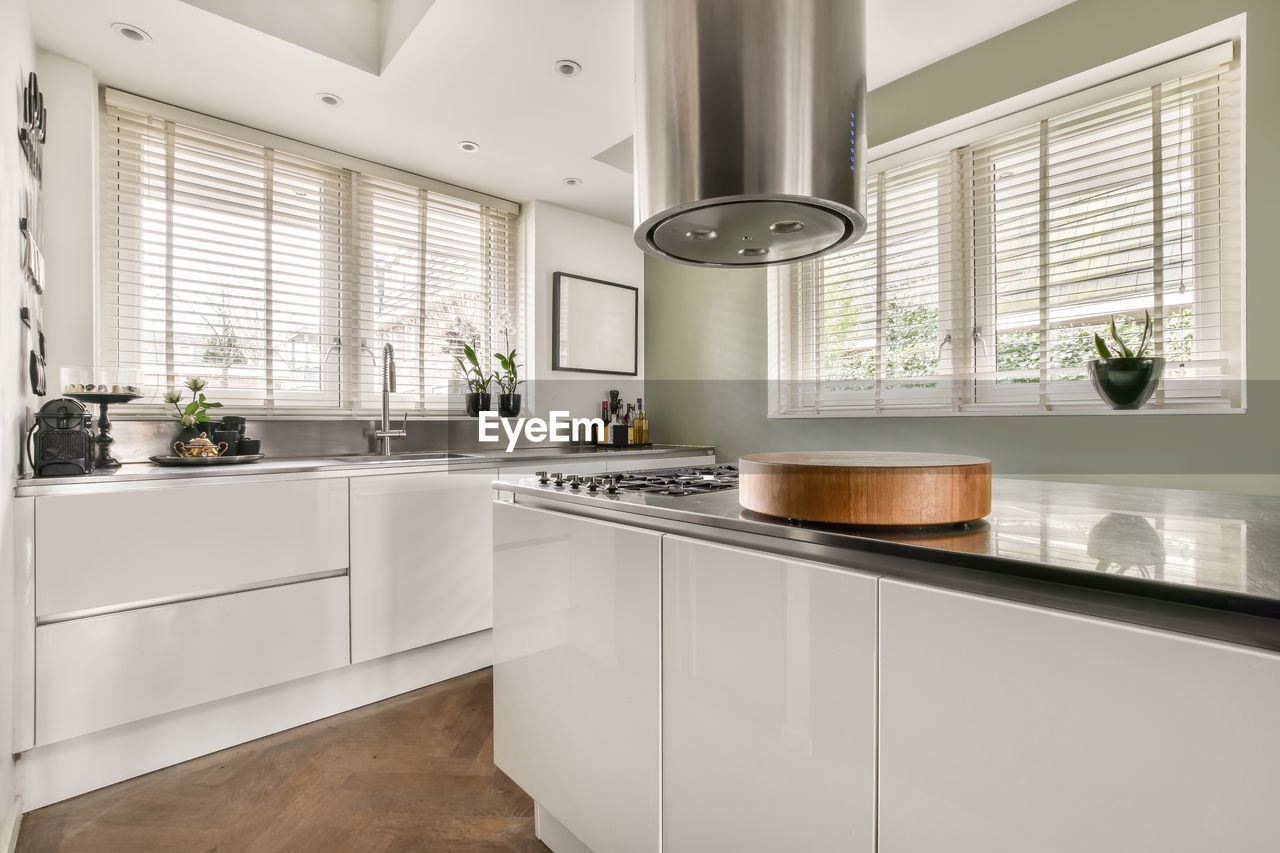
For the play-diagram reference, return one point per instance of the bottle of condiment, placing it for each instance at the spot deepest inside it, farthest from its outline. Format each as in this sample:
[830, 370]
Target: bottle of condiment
[630, 420]
[642, 423]
[603, 438]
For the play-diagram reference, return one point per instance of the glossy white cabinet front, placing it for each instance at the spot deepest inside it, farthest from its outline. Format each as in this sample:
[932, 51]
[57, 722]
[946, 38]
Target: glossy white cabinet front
[768, 703]
[421, 548]
[576, 672]
[100, 551]
[1006, 728]
[102, 671]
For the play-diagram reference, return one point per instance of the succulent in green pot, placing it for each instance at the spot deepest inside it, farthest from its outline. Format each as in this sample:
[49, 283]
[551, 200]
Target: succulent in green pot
[1125, 378]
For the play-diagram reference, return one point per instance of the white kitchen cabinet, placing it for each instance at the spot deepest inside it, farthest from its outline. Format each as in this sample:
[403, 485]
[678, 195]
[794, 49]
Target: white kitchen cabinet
[103, 551]
[1006, 728]
[103, 671]
[768, 703]
[421, 560]
[576, 672]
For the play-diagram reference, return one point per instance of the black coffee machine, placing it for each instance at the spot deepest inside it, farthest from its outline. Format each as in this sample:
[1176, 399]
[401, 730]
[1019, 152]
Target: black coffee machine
[60, 441]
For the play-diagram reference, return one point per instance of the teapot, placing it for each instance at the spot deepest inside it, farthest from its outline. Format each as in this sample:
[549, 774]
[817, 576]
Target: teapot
[199, 447]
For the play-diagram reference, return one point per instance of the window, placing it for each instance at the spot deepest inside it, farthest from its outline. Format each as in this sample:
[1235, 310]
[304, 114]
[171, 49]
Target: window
[278, 272]
[991, 260]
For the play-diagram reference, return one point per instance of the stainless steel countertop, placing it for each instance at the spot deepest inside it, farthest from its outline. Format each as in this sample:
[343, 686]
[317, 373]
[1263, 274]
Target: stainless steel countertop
[1196, 550]
[353, 465]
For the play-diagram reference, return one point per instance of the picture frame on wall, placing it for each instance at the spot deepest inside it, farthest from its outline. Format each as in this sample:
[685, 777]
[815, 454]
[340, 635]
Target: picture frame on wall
[595, 325]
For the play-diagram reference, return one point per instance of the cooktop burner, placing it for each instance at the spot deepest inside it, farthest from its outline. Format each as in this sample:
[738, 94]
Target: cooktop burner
[696, 480]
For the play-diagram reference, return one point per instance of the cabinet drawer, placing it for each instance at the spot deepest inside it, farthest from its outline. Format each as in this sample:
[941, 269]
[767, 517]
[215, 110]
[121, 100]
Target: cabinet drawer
[248, 533]
[103, 671]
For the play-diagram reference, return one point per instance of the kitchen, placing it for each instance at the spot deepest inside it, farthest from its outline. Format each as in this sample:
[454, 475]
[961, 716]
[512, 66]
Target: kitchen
[873, 552]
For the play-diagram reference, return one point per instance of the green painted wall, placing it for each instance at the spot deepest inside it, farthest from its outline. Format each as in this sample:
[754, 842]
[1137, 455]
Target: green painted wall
[705, 339]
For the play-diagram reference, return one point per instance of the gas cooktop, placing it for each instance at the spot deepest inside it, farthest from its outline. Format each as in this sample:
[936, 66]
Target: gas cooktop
[693, 480]
[697, 480]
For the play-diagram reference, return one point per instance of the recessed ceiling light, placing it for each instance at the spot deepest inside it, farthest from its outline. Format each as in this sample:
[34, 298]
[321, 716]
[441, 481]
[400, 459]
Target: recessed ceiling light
[130, 32]
[329, 99]
[573, 182]
[568, 68]
[468, 146]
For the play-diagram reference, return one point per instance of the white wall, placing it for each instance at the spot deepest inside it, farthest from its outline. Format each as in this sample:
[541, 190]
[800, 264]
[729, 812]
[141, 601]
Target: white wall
[70, 212]
[17, 58]
[560, 240]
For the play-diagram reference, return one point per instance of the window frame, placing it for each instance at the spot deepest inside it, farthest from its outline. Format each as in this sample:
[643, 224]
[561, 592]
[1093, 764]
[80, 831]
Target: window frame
[350, 399]
[969, 302]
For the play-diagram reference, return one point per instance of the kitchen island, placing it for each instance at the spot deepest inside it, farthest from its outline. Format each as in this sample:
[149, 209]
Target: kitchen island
[1088, 668]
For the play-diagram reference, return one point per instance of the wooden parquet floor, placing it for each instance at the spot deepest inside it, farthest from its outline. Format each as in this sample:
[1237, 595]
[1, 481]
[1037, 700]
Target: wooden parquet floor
[412, 773]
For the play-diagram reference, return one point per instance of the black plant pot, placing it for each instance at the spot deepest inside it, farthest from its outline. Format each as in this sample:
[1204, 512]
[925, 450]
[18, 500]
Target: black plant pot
[1126, 383]
[477, 403]
[509, 405]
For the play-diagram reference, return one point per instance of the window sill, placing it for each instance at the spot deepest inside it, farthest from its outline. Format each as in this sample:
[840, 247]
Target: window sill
[1009, 411]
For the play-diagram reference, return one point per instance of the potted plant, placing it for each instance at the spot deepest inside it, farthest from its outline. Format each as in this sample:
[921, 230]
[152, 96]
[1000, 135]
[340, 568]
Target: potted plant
[194, 416]
[508, 379]
[477, 380]
[1125, 378]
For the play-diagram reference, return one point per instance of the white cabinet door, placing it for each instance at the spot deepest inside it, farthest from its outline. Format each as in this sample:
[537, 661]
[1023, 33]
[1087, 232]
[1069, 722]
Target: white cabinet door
[768, 703]
[421, 569]
[109, 550]
[1006, 728]
[99, 672]
[648, 463]
[576, 672]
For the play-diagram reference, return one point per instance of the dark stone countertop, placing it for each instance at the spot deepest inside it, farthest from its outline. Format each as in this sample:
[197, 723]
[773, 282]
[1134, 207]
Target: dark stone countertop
[1092, 543]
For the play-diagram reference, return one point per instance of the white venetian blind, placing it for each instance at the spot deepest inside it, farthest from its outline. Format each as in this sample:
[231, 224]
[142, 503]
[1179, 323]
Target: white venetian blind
[434, 272]
[279, 277]
[987, 268]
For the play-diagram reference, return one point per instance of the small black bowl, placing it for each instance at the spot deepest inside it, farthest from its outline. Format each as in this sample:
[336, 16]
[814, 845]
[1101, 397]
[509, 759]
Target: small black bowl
[231, 437]
[234, 422]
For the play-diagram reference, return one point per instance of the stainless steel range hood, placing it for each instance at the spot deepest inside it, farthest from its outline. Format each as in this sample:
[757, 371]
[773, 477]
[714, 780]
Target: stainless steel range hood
[750, 134]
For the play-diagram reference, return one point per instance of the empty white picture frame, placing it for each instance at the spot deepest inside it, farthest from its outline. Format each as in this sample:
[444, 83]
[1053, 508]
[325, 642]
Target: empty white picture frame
[594, 325]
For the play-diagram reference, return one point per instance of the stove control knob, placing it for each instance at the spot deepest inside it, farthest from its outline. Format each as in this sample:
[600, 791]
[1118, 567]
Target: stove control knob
[575, 481]
[558, 477]
[593, 483]
[542, 477]
[611, 485]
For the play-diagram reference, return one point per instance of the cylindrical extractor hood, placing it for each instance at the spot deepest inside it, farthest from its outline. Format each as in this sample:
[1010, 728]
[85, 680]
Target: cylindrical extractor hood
[749, 129]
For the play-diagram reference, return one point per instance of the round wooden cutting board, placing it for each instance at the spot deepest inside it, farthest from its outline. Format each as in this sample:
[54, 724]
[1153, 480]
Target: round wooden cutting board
[866, 487]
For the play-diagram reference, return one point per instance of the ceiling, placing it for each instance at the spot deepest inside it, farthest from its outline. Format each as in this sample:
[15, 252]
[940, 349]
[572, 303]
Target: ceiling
[417, 77]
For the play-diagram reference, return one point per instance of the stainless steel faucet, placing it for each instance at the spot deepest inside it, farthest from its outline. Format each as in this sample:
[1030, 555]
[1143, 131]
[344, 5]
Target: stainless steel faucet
[384, 435]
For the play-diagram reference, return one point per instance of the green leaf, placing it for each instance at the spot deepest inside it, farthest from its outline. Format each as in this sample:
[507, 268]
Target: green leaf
[191, 408]
[1124, 350]
[213, 405]
[471, 356]
[1146, 336]
[203, 418]
[1101, 346]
